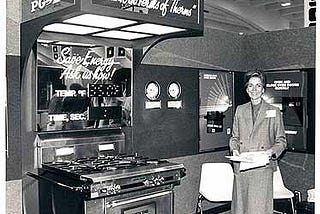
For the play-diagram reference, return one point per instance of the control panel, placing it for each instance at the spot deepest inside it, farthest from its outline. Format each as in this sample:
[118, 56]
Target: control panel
[104, 90]
[108, 112]
[107, 188]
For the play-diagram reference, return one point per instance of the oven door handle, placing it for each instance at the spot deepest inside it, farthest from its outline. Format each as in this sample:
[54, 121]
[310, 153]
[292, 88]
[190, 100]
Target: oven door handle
[141, 198]
[81, 188]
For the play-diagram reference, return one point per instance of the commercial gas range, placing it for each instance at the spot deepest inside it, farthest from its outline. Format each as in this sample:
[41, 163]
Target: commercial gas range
[96, 178]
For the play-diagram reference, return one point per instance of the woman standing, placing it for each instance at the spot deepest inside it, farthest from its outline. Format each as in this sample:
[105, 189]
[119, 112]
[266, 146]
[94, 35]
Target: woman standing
[257, 126]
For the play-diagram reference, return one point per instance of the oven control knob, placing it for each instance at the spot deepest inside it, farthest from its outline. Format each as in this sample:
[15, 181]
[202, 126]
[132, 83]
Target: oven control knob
[111, 189]
[154, 181]
[147, 183]
[159, 180]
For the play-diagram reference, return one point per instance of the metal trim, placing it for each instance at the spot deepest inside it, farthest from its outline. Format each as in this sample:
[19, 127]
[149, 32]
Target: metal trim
[140, 198]
[132, 174]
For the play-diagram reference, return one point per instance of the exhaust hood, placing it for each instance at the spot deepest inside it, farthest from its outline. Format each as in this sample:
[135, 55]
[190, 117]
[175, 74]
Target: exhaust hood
[131, 23]
[120, 23]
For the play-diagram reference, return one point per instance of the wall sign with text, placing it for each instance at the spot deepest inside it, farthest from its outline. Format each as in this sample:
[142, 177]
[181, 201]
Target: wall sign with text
[285, 84]
[183, 10]
[83, 87]
[32, 9]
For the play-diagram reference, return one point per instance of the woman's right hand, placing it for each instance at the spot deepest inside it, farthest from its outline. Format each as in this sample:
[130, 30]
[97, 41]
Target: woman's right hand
[235, 153]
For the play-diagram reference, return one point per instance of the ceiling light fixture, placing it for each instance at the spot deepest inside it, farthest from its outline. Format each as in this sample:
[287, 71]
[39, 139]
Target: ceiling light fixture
[73, 29]
[99, 21]
[153, 29]
[121, 35]
[45, 41]
[74, 44]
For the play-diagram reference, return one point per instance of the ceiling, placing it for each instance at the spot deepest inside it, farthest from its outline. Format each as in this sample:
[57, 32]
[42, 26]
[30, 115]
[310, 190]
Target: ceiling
[253, 16]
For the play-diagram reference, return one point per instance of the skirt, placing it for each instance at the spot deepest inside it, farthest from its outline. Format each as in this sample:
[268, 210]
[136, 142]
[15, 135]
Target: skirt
[253, 191]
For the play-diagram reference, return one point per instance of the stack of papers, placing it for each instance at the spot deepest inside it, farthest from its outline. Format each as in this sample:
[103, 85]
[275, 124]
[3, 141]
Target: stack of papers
[250, 160]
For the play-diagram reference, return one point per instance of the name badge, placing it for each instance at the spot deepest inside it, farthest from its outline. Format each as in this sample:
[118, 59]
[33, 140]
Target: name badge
[271, 113]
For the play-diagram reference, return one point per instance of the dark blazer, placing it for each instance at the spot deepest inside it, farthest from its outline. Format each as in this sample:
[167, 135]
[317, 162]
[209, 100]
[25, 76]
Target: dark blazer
[266, 133]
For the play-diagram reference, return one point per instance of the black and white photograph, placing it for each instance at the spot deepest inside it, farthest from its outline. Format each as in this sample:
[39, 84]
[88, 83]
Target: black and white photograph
[159, 107]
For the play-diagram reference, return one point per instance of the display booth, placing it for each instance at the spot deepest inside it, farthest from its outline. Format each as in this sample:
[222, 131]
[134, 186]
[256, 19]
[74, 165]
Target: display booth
[78, 61]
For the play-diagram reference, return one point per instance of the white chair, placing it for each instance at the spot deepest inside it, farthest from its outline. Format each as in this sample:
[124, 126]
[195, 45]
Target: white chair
[216, 183]
[280, 191]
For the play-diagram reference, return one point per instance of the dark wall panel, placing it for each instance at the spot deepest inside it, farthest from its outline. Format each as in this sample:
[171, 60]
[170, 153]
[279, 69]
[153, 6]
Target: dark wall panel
[166, 132]
[311, 91]
[13, 115]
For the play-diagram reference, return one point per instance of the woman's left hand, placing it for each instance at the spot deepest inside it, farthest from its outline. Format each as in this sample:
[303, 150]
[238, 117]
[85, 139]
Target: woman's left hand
[271, 154]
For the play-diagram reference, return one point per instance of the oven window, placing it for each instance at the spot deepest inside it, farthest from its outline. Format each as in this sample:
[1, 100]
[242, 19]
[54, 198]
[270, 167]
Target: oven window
[144, 209]
[82, 87]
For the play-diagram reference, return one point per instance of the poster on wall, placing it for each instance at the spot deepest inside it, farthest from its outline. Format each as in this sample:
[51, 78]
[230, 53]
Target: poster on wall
[215, 110]
[83, 87]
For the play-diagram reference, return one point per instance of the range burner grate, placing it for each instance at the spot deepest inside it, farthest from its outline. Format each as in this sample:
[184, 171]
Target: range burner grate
[101, 164]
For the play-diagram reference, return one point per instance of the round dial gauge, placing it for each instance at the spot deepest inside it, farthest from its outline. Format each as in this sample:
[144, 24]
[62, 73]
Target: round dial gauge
[152, 90]
[174, 90]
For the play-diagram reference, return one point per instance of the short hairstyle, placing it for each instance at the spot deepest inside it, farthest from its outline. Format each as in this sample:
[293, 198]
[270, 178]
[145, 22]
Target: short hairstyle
[254, 73]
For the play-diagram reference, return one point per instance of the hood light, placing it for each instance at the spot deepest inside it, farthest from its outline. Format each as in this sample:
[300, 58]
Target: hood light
[44, 41]
[73, 29]
[99, 21]
[153, 29]
[121, 35]
[74, 44]
[109, 27]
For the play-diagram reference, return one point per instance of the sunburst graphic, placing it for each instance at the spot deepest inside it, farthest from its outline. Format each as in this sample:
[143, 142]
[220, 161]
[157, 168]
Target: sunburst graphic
[219, 98]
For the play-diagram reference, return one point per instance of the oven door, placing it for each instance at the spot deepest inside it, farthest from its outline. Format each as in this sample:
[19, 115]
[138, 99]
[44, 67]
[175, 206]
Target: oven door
[155, 203]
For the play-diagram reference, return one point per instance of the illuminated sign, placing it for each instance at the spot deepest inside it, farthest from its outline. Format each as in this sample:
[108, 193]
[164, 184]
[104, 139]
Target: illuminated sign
[41, 4]
[67, 117]
[282, 85]
[71, 93]
[165, 6]
[210, 76]
[77, 66]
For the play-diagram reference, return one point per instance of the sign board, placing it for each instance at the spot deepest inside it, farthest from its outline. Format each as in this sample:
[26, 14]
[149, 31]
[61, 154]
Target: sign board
[32, 9]
[171, 12]
[182, 10]
[285, 84]
[81, 87]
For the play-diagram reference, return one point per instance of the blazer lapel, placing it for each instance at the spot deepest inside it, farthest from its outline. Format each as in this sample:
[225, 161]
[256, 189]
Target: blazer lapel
[261, 114]
[249, 118]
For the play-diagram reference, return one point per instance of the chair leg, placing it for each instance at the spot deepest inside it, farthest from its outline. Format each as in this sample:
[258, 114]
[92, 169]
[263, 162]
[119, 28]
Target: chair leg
[199, 204]
[292, 206]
